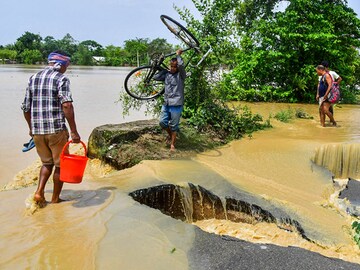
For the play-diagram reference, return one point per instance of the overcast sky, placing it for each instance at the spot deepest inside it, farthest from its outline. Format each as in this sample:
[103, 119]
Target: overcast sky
[109, 22]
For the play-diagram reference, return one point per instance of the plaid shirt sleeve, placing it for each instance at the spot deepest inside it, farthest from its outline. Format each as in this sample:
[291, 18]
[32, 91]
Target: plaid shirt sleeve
[26, 105]
[64, 91]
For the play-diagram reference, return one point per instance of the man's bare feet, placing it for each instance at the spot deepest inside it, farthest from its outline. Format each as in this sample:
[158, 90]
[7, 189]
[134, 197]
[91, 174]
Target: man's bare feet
[38, 198]
[58, 200]
[172, 148]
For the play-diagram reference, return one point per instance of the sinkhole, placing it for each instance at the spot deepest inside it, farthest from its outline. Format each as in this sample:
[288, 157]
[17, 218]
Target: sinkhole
[191, 203]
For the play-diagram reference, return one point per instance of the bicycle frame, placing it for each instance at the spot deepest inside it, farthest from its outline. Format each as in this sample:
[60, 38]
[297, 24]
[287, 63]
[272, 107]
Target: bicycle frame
[163, 57]
[196, 50]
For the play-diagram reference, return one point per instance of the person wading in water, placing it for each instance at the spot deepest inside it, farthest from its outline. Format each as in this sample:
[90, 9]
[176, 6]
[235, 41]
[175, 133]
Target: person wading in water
[323, 91]
[47, 103]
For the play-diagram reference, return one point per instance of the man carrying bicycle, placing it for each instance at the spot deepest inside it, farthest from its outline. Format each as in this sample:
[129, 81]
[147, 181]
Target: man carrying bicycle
[173, 97]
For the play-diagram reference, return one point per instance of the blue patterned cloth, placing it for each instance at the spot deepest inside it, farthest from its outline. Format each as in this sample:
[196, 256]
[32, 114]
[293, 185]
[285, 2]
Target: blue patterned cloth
[59, 58]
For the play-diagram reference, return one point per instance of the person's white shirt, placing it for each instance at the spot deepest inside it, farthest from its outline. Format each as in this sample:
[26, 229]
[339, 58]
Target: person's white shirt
[333, 74]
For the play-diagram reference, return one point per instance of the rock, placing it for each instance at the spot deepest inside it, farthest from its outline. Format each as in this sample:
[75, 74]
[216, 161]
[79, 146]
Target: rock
[105, 136]
[125, 145]
[112, 143]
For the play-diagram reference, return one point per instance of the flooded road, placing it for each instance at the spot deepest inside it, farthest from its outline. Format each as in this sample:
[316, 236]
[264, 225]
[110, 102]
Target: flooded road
[95, 92]
[101, 227]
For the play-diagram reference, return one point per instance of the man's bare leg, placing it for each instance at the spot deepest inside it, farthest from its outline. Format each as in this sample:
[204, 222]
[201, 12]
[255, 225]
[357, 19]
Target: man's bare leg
[326, 107]
[168, 139]
[57, 186]
[322, 116]
[173, 139]
[45, 173]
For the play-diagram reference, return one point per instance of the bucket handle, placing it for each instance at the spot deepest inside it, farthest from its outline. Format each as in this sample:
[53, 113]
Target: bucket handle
[67, 144]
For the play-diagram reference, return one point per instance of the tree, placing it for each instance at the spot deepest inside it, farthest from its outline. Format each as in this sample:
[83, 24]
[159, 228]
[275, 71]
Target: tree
[83, 56]
[116, 56]
[28, 41]
[31, 56]
[280, 49]
[215, 30]
[6, 54]
[85, 52]
[49, 45]
[68, 44]
[159, 45]
[93, 47]
[272, 53]
[137, 48]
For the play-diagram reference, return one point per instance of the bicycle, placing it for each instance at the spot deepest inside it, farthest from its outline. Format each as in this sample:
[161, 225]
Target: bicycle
[140, 83]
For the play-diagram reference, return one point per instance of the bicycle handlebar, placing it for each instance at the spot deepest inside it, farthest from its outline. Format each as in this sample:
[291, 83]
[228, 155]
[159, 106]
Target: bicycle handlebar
[174, 53]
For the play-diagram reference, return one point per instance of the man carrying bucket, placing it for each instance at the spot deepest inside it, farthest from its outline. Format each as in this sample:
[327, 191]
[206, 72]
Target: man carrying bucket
[47, 103]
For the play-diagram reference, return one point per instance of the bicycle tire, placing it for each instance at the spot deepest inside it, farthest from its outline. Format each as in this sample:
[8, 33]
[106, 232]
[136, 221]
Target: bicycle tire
[139, 83]
[180, 31]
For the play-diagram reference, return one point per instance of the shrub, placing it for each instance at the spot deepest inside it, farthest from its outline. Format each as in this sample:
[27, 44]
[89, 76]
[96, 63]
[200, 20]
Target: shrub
[356, 228]
[285, 115]
[227, 123]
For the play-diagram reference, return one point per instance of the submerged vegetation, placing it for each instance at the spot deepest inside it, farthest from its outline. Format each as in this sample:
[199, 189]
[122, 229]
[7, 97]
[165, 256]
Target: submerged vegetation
[285, 115]
[289, 114]
[356, 228]
[228, 123]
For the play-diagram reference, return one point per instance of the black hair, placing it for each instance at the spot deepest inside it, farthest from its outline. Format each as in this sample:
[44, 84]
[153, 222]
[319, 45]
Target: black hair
[320, 67]
[325, 64]
[174, 59]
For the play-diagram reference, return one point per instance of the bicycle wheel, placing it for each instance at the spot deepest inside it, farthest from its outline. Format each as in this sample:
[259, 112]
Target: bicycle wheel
[180, 31]
[139, 83]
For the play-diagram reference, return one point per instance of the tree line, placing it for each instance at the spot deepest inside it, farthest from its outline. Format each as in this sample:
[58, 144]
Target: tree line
[31, 48]
[269, 53]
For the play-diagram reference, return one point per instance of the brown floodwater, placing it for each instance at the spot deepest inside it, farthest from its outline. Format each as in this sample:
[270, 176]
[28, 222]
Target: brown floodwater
[101, 227]
[95, 92]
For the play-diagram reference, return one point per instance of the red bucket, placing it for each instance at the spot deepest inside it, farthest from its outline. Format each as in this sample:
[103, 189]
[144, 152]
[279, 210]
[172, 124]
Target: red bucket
[72, 167]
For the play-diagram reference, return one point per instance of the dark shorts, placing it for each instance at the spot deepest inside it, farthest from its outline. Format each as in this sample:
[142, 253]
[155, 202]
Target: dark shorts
[50, 146]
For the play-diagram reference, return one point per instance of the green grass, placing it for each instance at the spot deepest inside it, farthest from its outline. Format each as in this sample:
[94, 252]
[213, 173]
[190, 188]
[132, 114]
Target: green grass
[356, 228]
[285, 115]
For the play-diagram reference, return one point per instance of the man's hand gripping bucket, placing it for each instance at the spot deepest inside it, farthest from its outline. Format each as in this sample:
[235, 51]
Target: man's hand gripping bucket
[72, 166]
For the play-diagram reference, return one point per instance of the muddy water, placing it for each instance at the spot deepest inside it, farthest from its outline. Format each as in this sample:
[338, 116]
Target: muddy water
[101, 227]
[95, 92]
[276, 165]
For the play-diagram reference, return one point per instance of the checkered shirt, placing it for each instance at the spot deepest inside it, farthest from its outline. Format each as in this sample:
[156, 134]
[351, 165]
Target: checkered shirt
[46, 92]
